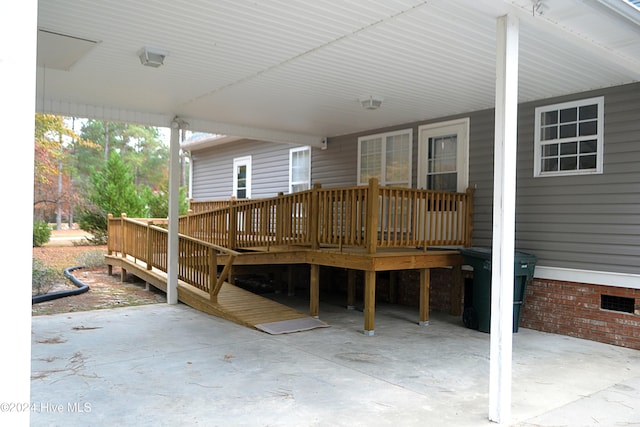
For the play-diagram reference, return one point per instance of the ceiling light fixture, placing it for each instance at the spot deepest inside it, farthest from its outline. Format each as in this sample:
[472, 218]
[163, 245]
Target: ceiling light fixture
[371, 102]
[151, 58]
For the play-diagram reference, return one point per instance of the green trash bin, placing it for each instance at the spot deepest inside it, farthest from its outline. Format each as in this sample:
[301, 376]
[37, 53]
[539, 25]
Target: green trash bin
[477, 313]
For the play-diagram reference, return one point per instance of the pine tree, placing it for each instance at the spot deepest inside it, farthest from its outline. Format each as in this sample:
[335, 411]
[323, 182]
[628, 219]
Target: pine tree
[111, 191]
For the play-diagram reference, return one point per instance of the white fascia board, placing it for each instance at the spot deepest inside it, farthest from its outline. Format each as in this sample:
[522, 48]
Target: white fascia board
[114, 114]
[104, 113]
[604, 278]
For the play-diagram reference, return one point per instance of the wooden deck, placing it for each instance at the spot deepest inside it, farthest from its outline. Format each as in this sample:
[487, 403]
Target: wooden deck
[233, 303]
[363, 228]
[249, 309]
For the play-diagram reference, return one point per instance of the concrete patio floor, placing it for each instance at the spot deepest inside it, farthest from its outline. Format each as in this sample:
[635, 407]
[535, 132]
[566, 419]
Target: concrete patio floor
[162, 365]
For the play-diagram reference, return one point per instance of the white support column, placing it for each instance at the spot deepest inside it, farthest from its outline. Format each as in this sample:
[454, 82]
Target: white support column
[174, 190]
[17, 107]
[504, 202]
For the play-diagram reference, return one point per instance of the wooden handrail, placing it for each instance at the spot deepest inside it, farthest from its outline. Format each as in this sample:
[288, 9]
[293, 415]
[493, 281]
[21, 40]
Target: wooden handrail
[370, 216]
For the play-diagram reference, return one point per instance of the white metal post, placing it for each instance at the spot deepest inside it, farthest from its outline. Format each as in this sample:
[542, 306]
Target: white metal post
[174, 190]
[504, 202]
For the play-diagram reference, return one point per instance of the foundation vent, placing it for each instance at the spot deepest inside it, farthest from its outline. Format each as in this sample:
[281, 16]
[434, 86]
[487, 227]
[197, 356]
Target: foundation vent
[614, 303]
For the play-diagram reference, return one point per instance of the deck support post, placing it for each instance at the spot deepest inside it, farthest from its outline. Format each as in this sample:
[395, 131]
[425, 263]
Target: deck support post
[425, 287]
[314, 291]
[369, 302]
[351, 289]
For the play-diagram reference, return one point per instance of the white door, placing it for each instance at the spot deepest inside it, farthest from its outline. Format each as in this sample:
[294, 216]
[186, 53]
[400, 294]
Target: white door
[242, 177]
[443, 156]
[443, 165]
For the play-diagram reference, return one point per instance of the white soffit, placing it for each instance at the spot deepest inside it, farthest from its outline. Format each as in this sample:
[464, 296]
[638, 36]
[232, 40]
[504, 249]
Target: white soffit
[61, 51]
[293, 70]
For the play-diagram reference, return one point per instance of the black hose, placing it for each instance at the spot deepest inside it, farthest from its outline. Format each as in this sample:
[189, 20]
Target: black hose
[81, 288]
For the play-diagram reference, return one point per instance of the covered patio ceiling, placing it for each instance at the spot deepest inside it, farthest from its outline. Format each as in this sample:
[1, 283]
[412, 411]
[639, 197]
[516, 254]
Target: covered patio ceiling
[294, 70]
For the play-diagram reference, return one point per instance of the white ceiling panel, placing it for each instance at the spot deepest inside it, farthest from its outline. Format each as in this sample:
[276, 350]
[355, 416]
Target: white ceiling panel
[296, 68]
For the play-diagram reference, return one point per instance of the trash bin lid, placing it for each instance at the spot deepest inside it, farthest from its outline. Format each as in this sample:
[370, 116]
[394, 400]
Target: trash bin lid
[476, 252]
[485, 253]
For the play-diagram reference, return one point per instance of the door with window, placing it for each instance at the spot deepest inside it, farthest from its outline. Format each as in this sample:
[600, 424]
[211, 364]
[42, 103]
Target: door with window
[443, 165]
[443, 156]
[242, 177]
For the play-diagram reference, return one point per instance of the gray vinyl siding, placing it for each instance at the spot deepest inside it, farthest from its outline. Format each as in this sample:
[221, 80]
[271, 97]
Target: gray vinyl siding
[337, 165]
[588, 222]
[213, 169]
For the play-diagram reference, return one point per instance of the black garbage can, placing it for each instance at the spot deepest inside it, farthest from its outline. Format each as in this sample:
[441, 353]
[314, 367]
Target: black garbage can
[477, 313]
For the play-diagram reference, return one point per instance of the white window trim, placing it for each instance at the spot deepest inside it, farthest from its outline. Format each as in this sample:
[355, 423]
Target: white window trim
[239, 161]
[383, 136]
[537, 166]
[437, 129]
[295, 150]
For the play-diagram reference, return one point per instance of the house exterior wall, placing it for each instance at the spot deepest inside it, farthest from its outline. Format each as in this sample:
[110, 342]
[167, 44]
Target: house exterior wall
[582, 222]
[213, 169]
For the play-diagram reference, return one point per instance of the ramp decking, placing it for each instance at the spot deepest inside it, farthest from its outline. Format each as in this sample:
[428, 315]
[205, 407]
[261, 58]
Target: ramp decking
[234, 303]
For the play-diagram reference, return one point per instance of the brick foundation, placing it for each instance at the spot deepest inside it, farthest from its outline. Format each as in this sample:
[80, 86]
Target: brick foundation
[574, 309]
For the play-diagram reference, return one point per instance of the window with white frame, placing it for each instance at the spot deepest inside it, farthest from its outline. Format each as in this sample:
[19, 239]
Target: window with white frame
[569, 138]
[299, 169]
[386, 156]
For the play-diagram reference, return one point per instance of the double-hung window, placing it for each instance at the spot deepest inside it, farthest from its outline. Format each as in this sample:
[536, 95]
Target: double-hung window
[569, 138]
[386, 156]
[299, 169]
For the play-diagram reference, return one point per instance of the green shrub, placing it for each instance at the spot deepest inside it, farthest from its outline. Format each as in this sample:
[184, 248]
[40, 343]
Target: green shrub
[41, 233]
[43, 277]
[90, 259]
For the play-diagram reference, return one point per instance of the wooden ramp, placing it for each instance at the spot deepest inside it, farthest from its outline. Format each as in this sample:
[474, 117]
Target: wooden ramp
[234, 304]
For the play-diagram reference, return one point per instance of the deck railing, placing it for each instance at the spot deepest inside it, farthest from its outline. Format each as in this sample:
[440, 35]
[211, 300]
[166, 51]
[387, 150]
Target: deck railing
[370, 216]
[143, 240]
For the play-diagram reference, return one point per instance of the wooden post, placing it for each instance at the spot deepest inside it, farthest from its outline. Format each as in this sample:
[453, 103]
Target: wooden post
[314, 215]
[425, 287]
[455, 303]
[279, 220]
[213, 275]
[314, 291]
[233, 224]
[468, 239]
[369, 302]
[149, 247]
[372, 216]
[109, 242]
[123, 246]
[188, 220]
[351, 289]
